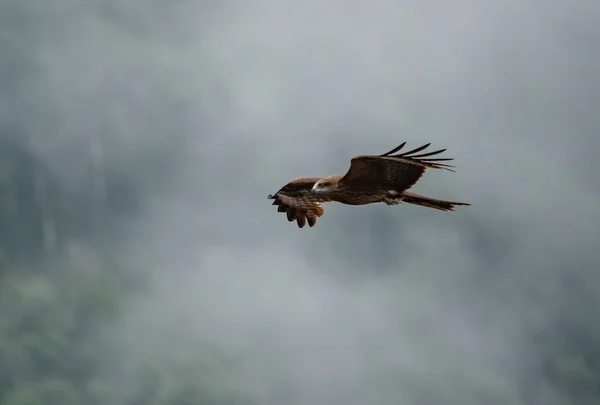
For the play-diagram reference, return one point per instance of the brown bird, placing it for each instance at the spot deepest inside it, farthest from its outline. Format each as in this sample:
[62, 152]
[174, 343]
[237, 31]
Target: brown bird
[370, 179]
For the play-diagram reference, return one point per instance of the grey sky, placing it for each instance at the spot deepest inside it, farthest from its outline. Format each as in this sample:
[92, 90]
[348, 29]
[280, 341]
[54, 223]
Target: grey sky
[377, 304]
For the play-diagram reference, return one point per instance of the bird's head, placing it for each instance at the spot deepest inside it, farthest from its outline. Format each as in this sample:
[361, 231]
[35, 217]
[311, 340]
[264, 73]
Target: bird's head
[322, 186]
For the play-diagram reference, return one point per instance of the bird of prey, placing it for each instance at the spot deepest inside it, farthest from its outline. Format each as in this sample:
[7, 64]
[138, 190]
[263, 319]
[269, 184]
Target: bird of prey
[370, 179]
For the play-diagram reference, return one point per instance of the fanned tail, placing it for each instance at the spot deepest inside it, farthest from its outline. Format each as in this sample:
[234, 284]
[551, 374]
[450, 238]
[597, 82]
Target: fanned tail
[441, 205]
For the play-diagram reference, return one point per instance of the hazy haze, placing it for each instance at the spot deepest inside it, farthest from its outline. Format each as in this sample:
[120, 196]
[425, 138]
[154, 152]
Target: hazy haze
[222, 103]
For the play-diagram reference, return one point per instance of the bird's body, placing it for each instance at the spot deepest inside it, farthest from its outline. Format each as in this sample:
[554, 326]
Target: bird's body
[370, 179]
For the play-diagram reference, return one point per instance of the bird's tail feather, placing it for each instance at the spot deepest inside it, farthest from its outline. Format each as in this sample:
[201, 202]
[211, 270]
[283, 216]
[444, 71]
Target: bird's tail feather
[441, 205]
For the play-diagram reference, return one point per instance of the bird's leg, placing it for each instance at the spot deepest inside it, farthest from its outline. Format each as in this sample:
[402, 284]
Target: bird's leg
[392, 201]
[393, 198]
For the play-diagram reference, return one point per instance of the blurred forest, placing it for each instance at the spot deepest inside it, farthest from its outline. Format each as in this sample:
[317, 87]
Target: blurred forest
[57, 298]
[63, 288]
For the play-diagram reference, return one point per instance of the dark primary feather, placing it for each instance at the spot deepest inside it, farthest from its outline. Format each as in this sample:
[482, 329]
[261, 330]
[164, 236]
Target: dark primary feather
[409, 157]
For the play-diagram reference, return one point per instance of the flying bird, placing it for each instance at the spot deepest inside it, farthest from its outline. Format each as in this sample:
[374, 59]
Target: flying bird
[370, 179]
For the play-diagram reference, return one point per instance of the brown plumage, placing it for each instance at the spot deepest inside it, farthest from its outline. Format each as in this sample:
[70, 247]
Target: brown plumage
[370, 179]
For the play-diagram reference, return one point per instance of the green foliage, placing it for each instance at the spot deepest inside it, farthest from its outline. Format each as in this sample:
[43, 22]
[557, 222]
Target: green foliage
[20, 213]
[60, 316]
[52, 350]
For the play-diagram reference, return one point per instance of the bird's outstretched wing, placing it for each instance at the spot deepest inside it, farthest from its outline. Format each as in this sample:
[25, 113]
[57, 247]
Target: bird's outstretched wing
[299, 204]
[398, 171]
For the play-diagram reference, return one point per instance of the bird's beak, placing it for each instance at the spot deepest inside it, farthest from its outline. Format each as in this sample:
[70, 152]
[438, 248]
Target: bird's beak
[270, 197]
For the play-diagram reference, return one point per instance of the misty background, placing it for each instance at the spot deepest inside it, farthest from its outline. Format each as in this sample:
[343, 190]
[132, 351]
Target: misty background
[141, 262]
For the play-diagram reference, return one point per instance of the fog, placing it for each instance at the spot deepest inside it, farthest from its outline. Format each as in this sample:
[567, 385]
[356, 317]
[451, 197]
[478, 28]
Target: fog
[220, 104]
